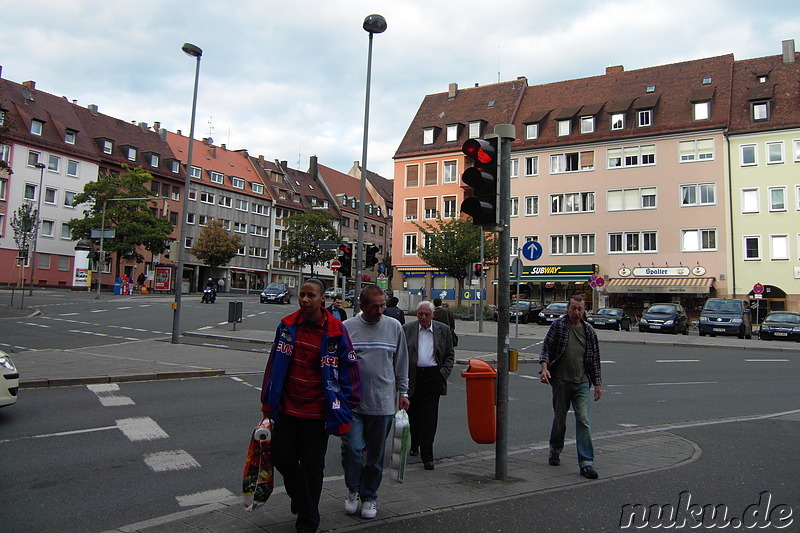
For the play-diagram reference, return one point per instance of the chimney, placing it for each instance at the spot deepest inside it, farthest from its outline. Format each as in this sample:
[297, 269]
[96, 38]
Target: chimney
[261, 161]
[452, 91]
[1, 71]
[143, 126]
[93, 109]
[788, 51]
[313, 167]
[284, 165]
[179, 133]
[162, 132]
[224, 147]
[156, 126]
[32, 84]
[616, 69]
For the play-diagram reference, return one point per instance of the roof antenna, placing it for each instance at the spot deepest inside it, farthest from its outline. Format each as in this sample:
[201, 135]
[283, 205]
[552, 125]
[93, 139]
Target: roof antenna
[498, 63]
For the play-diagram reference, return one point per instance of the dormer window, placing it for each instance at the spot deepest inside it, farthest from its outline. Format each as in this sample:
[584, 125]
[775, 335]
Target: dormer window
[701, 110]
[531, 131]
[344, 200]
[427, 135]
[475, 129]
[217, 177]
[153, 159]
[37, 126]
[237, 183]
[257, 188]
[760, 111]
[175, 166]
[644, 118]
[563, 127]
[617, 121]
[587, 124]
[108, 147]
[131, 153]
[196, 172]
[452, 132]
[69, 136]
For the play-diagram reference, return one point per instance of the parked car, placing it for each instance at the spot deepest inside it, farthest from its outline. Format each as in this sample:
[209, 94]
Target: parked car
[348, 298]
[665, 317]
[333, 291]
[523, 310]
[553, 312]
[10, 384]
[783, 325]
[276, 293]
[610, 318]
[726, 316]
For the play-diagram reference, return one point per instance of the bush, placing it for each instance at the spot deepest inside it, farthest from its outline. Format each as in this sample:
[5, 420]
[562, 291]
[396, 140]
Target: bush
[467, 312]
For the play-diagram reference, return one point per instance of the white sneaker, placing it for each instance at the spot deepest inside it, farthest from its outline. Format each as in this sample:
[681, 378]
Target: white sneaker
[369, 510]
[351, 503]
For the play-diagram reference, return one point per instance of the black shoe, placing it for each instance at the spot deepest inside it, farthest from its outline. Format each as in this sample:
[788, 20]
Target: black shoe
[588, 472]
[554, 459]
[429, 465]
[414, 451]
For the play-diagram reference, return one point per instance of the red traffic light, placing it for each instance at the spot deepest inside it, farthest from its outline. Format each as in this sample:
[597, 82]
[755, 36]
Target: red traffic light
[481, 151]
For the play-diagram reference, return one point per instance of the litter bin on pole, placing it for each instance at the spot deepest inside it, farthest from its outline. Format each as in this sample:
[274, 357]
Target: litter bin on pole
[481, 398]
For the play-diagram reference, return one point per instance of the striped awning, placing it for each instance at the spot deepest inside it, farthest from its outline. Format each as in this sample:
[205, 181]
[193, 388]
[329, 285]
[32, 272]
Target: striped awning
[659, 285]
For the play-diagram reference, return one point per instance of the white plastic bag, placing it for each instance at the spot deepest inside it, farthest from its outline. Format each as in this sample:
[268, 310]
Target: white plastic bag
[401, 442]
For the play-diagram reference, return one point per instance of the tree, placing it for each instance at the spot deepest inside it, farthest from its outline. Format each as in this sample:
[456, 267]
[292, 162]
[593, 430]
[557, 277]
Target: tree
[215, 246]
[452, 245]
[132, 220]
[24, 222]
[302, 233]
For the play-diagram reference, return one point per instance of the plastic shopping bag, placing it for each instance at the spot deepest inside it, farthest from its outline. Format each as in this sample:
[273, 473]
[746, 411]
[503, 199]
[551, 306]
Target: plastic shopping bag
[401, 442]
[258, 480]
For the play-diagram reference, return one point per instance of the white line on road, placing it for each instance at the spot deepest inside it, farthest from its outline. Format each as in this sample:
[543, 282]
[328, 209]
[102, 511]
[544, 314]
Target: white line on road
[67, 314]
[143, 428]
[120, 308]
[221, 323]
[99, 311]
[60, 434]
[170, 460]
[205, 497]
[677, 360]
[214, 345]
[663, 383]
[107, 394]
[35, 325]
[608, 362]
[205, 327]
[767, 360]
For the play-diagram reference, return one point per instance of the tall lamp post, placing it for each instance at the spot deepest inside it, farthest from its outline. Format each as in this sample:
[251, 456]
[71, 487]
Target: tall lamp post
[38, 221]
[372, 24]
[196, 52]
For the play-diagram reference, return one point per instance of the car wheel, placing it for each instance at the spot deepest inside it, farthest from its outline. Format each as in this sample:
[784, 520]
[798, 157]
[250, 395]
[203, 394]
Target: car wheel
[702, 333]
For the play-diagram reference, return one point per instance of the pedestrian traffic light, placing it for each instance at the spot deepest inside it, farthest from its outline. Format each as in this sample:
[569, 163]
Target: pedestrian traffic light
[371, 259]
[482, 177]
[478, 268]
[346, 259]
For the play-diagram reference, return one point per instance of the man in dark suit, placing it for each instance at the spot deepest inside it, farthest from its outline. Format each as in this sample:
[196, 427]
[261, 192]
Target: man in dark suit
[430, 360]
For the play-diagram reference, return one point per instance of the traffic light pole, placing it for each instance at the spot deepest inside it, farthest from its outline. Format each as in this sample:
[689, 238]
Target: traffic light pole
[506, 134]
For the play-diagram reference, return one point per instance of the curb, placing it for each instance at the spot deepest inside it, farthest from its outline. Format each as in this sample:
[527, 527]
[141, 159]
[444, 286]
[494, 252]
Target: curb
[88, 380]
[223, 337]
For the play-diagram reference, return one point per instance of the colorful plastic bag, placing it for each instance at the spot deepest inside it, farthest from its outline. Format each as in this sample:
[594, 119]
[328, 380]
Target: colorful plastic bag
[401, 442]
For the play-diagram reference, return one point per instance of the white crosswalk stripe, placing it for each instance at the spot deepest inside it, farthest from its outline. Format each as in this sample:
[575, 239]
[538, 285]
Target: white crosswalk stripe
[142, 428]
[170, 460]
[108, 395]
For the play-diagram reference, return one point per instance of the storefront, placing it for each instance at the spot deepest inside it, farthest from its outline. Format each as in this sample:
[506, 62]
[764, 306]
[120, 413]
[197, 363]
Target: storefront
[646, 286]
[246, 280]
[554, 283]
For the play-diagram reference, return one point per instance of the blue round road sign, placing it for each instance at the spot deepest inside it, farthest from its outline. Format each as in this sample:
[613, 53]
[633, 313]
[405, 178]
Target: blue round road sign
[758, 288]
[532, 250]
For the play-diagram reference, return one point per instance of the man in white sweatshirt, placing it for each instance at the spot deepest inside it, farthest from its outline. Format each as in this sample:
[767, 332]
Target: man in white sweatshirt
[380, 344]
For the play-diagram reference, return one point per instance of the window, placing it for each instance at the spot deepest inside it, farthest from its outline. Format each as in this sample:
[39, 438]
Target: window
[208, 197]
[175, 166]
[69, 137]
[411, 208]
[33, 158]
[196, 173]
[257, 188]
[108, 147]
[701, 110]
[192, 194]
[617, 121]
[72, 168]
[779, 247]
[629, 242]
[452, 132]
[514, 206]
[450, 172]
[237, 183]
[747, 155]
[563, 127]
[431, 174]
[153, 159]
[752, 247]
[241, 205]
[449, 209]
[750, 201]
[631, 199]
[514, 246]
[412, 176]
[700, 150]
[796, 151]
[427, 136]
[571, 162]
[699, 240]
[260, 209]
[774, 153]
[759, 111]
[226, 201]
[474, 129]
[777, 198]
[53, 163]
[190, 218]
[577, 202]
[131, 154]
[37, 126]
[532, 165]
[50, 195]
[631, 156]
[5, 152]
[240, 227]
[531, 206]
[3, 189]
[531, 131]
[587, 124]
[698, 194]
[30, 192]
[644, 118]
[430, 207]
[514, 168]
[48, 228]
[575, 244]
[217, 177]
[410, 246]
[66, 233]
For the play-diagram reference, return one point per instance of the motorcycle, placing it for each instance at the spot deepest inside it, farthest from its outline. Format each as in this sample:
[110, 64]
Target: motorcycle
[209, 295]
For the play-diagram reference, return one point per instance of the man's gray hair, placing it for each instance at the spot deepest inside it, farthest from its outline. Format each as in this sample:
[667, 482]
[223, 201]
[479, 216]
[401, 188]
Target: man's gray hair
[425, 303]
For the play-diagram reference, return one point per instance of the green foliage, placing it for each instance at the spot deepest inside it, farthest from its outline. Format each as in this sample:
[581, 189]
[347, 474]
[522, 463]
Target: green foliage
[302, 233]
[24, 222]
[215, 246]
[132, 220]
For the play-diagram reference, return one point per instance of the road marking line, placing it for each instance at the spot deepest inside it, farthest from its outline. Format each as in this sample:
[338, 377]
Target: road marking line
[170, 460]
[221, 323]
[677, 360]
[67, 314]
[608, 362]
[214, 345]
[767, 360]
[143, 428]
[32, 324]
[205, 327]
[663, 383]
[107, 394]
[205, 497]
[120, 308]
[99, 311]
[60, 434]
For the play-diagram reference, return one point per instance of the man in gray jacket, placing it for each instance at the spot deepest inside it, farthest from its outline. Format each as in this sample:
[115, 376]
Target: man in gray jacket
[380, 346]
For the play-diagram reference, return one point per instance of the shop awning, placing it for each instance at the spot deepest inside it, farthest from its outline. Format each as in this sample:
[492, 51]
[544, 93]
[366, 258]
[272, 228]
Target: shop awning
[251, 270]
[659, 285]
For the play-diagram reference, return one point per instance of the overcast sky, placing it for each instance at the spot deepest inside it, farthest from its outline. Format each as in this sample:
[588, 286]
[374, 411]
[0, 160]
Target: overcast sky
[287, 79]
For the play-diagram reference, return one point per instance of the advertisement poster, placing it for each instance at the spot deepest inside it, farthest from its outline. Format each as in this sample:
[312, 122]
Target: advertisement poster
[162, 279]
[82, 278]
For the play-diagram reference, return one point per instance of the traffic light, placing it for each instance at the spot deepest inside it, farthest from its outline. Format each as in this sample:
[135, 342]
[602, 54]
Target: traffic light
[478, 268]
[371, 258]
[346, 258]
[171, 252]
[483, 205]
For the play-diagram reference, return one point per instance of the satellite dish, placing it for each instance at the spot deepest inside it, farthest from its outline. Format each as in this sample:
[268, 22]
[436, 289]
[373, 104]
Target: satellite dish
[27, 94]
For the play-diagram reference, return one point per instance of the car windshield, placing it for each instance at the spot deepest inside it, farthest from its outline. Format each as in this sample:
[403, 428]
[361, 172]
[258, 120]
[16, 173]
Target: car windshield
[662, 309]
[783, 317]
[610, 312]
[524, 306]
[723, 306]
[275, 287]
[557, 306]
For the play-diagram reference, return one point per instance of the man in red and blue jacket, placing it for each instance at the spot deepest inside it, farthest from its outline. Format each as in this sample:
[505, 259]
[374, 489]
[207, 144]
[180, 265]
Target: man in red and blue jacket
[311, 385]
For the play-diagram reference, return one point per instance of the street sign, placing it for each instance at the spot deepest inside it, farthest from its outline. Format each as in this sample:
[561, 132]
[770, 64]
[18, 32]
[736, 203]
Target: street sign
[336, 265]
[758, 288]
[600, 281]
[532, 250]
[106, 234]
[327, 245]
[516, 268]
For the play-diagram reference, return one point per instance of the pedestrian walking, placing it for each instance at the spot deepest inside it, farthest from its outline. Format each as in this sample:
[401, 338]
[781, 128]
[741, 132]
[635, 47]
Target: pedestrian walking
[570, 363]
[311, 385]
[380, 346]
[393, 311]
[336, 308]
[430, 360]
[444, 315]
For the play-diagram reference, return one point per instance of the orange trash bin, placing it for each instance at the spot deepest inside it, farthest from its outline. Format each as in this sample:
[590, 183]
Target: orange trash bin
[481, 400]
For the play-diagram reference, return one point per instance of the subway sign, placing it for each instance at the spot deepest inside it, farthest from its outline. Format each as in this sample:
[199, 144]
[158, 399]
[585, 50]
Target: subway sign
[546, 273]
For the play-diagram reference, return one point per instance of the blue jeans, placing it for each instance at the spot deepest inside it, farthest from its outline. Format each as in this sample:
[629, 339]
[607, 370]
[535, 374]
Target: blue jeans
[576, 394]
[366, 444]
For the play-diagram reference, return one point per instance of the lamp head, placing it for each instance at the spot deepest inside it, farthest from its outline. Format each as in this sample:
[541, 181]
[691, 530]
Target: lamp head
[191, 50]
[375, 24]
[39, 165]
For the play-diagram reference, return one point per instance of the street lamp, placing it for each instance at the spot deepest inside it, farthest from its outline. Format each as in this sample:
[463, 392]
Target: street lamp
[193, 51]
[101, 259]
[38, 221]
[372, 24]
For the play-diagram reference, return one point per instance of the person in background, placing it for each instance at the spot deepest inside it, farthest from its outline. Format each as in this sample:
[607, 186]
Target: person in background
[393, 311]
[311, 386]
[444, 315]
[336, 308]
